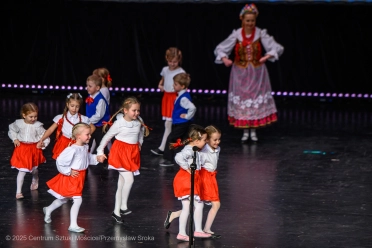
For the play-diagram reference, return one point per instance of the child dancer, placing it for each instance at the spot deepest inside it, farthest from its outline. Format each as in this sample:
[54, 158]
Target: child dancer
[106, 81]
[173, 57]
[208, 183]
[182, 115]
[97, 109]
[72, 164]
[129, 131]
[182, 182]
[64, 123]
[25, 133]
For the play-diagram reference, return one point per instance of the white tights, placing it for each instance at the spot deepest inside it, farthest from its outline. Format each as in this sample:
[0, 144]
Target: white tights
[125, 183]
[73, 212]
[21, 178]
[198, 216]
[167, 131]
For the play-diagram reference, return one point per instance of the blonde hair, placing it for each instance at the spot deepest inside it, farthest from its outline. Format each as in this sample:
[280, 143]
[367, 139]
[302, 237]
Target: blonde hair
[105, 75]
[173, 52]
[211, 130]
[196, 132]
[28, 108]
[76, 129]
[128, 102]
[97, 80]
[183, 79]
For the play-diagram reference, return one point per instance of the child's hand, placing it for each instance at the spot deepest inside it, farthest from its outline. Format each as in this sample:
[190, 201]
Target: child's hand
[16, 143]
[161, 87]
[74, 173]
[139, 146]
[40, 145]
[183, 116]
[101, 158]
[227, 62]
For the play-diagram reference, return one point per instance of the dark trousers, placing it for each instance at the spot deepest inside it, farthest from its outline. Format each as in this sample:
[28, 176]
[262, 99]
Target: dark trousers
[97, 135]
[179, 131]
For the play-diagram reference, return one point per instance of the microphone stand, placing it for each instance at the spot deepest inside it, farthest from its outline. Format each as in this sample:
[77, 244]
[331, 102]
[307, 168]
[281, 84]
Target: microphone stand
[193, 168]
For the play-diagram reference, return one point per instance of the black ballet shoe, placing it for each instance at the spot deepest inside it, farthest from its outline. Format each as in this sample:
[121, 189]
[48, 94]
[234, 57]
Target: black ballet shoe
[118, 219]
[125, 212]
[215, 236]
[166, 222]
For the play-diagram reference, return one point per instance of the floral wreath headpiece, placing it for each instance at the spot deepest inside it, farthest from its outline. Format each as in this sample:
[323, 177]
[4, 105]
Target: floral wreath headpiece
[249, 8]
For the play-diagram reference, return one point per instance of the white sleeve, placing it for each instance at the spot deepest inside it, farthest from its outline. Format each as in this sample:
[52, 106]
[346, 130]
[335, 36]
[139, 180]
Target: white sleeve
[64, 161]
[113, 130]
[271, 46]
[181, 159]
[13, 131]
[141, 132]
[187, 104]
[225, 47]
[92, 159]
[100, 112]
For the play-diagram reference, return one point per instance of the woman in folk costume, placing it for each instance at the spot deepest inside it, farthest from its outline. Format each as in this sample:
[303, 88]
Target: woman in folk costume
[250, 103]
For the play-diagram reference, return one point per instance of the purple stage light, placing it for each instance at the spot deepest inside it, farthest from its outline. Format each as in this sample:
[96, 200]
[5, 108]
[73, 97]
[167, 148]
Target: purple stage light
[285, 93]
[21, 86]
[340, 95]
[140, 89]
[365, 95]
[146, 89]
[81, 88]
[69, 87]
[206, 91]
[51, 87]
[57, 87]
[321, 94]
[74, 88]
[193, 91]
[200, 91]
[218, 92]
[278, 93]
[309, 94]
[303, 94]
[122, 89]
[45, 87]
[328, 95]
[353, 95]
[315, 94]
[116, 89]
[158, 90]
[111, 88]
[15, 86]
[297, 93]
[212, 92]
[346, 95]
[359, 95]
[134, 89]
[129, 89]
[334, 95]
[152, 90]
[273, 93]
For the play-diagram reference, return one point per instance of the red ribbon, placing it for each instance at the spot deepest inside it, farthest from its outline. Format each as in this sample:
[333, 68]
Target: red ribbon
[178, 143]
[107, 122]
[109, 78]
[89, 100]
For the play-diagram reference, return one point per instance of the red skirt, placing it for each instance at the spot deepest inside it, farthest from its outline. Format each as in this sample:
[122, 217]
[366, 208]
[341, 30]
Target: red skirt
[124, 156]
[62, 186]
[182, 183]
[253, 123]
[167, 104]
[27, 157]
[208, 186]
[60, 145]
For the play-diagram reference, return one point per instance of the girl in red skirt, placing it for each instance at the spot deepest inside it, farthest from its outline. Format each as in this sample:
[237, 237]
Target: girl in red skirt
[72, 164]
[25, 133]
[208, 183]
[64, 123]
[128, 130]
[173, 57]
[182, 182]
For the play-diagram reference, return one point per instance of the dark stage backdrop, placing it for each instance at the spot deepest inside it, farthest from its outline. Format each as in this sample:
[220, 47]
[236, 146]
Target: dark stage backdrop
[327, 46]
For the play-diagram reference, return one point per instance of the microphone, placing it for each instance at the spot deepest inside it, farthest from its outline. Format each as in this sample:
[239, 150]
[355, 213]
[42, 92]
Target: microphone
[195, 148]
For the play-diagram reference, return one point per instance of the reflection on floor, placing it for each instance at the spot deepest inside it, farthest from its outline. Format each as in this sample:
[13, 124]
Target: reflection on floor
[306, 183]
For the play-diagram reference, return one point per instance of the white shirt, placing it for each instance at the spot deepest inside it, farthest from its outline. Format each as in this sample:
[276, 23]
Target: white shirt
[67, 127]
[187, 104]
[106, 93]
[130, 132]
[100, 110]
[184, 158]
[168, 77]
[27, 133]
[270, 45]
[209, 157]
[75, 157]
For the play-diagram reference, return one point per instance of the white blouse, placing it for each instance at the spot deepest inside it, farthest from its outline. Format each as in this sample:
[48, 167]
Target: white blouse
[27, 133]
[106, 93]
[168, 77]
[184, 158]
[209, 157]
[67, 127]
[130, 132]
[270, 45]
[75, 157]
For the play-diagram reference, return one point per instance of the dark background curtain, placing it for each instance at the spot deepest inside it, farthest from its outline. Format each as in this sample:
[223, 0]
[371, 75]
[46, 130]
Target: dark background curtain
[327, 46]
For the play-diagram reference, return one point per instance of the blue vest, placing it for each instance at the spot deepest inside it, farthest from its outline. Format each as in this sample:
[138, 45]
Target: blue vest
[178, 110]
[91, 110]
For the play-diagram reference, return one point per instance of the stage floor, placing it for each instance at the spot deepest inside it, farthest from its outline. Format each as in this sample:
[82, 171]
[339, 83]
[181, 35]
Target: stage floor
[306, 183]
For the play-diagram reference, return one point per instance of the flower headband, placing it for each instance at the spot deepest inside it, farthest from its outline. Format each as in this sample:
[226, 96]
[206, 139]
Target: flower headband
[249, 8]
[71, 95]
